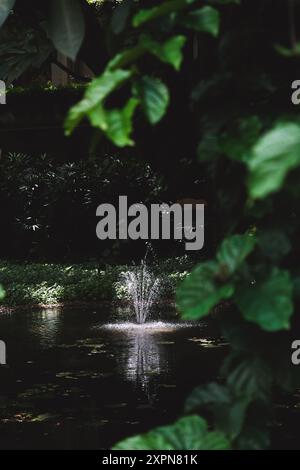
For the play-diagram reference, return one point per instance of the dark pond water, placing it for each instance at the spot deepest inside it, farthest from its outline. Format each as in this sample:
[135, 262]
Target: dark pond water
[72, 382]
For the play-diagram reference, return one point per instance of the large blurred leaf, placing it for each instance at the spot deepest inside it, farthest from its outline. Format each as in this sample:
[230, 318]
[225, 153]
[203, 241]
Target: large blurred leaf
[120, 16]
[154, 96]
[188, 433]
[143, 16]
[201, 291]
[274, 155]
[116, 123]
[94, 96]
[212, 393]
[251, 378]
[234, 250]
[5, 8]
[238, 145]
[274, 243]
[66, 26]
[170, 51]
[268, 303]
[206, 19]
[2, 293]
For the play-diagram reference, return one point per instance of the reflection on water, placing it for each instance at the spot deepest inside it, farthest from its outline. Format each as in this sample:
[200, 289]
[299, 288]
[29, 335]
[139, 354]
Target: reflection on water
[146, 355]
[143, 360]
[77, 381]
[45, 327]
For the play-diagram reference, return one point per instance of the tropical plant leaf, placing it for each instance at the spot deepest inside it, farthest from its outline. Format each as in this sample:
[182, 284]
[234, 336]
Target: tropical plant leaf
[205, 19]
[169, 52]
[274, 244]
[143, 16]
[189, 433]
[201, 291]
[119, 123]
[94, 96]
[234, 251]
[212, 393]
[238, 146]
[251, 379]
[2, 293]
[66, 26]
[154, 96]
[5, 8]
[120, 16]
[273, 156]
[268, 303]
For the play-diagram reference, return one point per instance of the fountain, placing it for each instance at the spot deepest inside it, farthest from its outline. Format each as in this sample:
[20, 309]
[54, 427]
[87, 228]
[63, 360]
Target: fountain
[143, 289]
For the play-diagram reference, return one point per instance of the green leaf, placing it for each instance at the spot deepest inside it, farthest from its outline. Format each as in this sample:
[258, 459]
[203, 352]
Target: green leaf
[251, 379]
[189, 433]
[254, 438]
[206, 19]
[238, 145]
[212, 393]
[274, 155]
[287, 52]
[169, 52]
[94, 96]
[229, 412]
[274, 243]
[66, 26]
[201, 291]
[234, 251]
[5, 8]
[169, 7]
[2, 293]
[268, 303]
[119, 123]
[120, 16]
[154, 96]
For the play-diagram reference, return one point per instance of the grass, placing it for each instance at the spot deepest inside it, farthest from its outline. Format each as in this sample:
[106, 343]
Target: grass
[51, 284]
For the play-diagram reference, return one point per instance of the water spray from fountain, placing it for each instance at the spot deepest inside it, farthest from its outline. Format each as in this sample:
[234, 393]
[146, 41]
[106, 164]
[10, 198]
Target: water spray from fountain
[143, 289]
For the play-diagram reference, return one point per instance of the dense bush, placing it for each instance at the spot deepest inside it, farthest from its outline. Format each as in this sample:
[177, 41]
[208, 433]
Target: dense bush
[42, 283]
[48, 208]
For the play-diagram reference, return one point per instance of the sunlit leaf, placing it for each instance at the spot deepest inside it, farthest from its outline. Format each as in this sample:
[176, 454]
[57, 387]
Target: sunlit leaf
[95, 94]
[274, 155]
[2, 293]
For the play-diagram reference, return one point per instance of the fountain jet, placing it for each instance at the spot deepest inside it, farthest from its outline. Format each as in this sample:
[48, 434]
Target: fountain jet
[143, 288]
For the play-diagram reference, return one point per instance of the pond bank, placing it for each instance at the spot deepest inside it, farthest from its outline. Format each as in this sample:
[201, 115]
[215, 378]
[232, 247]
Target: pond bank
[4, 309]
[51, 285]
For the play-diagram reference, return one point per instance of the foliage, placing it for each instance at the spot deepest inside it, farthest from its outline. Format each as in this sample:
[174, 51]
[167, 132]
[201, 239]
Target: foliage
[52, 283]
[44, 202]
[188, 433]
[253, 161]
[254, 164]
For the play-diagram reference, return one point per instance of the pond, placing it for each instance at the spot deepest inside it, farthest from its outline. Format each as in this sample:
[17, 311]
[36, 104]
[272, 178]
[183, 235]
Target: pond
[74, 380]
